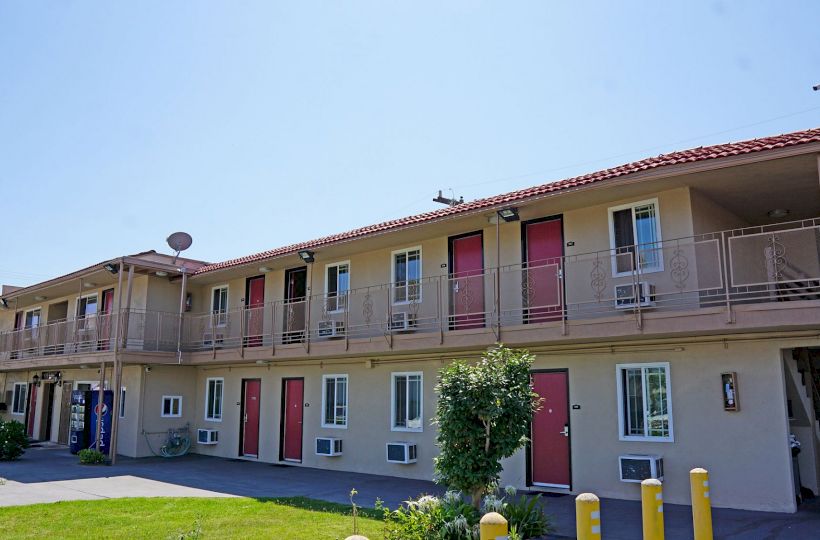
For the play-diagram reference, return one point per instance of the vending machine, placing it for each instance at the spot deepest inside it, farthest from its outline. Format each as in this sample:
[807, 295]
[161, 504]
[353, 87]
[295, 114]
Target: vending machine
[102, 410]
[79, 421]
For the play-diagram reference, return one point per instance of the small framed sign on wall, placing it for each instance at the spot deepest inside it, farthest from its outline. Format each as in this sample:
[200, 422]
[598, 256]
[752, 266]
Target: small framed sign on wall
[730, 397]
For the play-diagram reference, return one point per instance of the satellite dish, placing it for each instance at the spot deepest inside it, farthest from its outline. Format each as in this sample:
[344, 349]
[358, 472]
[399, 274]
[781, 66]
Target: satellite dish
[179, 241]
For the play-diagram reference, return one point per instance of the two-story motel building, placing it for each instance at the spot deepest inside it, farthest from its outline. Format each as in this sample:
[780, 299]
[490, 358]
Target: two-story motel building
[673, 305]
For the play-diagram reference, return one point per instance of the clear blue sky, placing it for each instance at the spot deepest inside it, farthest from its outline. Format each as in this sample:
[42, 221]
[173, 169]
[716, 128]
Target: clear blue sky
[256, 124]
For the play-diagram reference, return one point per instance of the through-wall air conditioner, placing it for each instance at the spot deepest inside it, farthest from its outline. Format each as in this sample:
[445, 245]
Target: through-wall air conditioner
[207, 436]
[639, 467]
[331, 329]
[625, 295]
[401, 452]
[328, 446]
[402, 322]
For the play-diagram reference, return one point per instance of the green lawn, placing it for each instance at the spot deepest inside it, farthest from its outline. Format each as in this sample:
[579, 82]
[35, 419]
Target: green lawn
[292, 518]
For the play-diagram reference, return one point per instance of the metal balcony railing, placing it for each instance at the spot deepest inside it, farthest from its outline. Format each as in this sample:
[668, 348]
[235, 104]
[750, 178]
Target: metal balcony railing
[774, 263]
[138, 330]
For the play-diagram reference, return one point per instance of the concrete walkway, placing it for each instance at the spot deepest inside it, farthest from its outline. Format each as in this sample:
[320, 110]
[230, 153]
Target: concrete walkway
[52, 474]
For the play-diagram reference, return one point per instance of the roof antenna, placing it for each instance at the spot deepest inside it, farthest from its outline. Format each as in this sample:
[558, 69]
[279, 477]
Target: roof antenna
[179, 242]
[449, 202]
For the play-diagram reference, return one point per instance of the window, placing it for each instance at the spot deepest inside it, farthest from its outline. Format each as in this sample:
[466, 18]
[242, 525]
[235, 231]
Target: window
[407, 276]
[32, 318]
[213, 399]
[644, 402]
[86, 311]
[171, 406]
[337, 285]
[18, 403]
[635, 226]
[122, 402]
[219, 305]
[334, 401]
[406, 399]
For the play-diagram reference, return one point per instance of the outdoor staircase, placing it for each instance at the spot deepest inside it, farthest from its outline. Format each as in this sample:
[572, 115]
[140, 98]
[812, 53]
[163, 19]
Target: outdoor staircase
[808, 365]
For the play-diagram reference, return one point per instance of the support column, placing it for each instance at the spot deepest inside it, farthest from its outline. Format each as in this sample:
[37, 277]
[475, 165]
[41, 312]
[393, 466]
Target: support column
[100, 402]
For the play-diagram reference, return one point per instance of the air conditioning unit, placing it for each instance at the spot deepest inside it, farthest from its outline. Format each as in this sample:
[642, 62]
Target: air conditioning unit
[328, 446]
[639, 467]
[331, 329]
[402, 322]
[625, 295]
[401, 452]
[213, 339]
[207, 436]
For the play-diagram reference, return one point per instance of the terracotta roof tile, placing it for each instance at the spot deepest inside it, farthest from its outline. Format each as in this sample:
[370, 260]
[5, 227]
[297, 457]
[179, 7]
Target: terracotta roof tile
[701, 153]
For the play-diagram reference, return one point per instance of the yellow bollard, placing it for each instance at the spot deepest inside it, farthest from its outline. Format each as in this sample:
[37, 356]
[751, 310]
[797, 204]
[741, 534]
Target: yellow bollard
[588, 517]
[701, 504]
[652, 509]
[493, 525]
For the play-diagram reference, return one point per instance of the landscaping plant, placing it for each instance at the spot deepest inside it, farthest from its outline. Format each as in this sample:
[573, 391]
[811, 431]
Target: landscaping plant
[89, 456]
[13, 440]
[483, 415]
[429, 517]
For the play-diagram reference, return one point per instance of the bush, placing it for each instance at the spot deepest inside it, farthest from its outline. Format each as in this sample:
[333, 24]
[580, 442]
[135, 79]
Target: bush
[13, 440]
[445, 518]
[89, 456]
[526, 515]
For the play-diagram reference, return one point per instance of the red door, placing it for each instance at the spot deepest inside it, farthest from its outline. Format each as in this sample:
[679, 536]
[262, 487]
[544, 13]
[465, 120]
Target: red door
[255, 310]
[32, 408]
[467, 282]
[541, 279]
[293, 405]
[250, 417]
[106, 319]
[550, 431]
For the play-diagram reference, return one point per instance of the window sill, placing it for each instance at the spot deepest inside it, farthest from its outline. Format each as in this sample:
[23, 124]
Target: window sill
[406, 302]
[407, 430]
[170, 416]
[623, 438]
[215, 420]
[333, 426]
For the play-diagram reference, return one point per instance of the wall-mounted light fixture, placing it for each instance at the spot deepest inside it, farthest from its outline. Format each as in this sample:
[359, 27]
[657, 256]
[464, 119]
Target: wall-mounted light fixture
[114, 268]
[265, 269]
[4, 303]
[509, 214]
[161, 273]
[778, 213]
[307, 255]
[39, 298]
[35, 380]
[89, 285]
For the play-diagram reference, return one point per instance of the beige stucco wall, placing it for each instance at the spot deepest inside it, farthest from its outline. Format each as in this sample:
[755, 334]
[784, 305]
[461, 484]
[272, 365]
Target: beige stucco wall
[156, 382]
[368, 429]
[746, 452]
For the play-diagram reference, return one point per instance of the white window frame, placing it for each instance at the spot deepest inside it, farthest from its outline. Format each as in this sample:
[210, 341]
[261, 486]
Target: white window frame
[220, 316]
[32, 310]
[393, 426]
[338, 296]
[336, 377]
[24, 393]
[393, 254]
[208, 416]
[658, 244]
[619, 368]
[122, 401]
[171, 415]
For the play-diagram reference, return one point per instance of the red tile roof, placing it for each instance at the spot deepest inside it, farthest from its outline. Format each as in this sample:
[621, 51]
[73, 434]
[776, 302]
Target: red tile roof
[701, 153]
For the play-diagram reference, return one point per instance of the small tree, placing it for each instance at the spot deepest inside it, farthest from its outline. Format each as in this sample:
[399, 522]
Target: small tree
[483, 415]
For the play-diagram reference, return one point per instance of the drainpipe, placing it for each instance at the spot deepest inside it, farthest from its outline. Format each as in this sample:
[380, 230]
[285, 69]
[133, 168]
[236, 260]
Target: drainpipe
[181, 312]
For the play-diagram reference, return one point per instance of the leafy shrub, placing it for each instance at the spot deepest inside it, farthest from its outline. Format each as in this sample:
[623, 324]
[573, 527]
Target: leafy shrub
[89, 456]
[527, 516]
[445, 518]
[13, 440]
